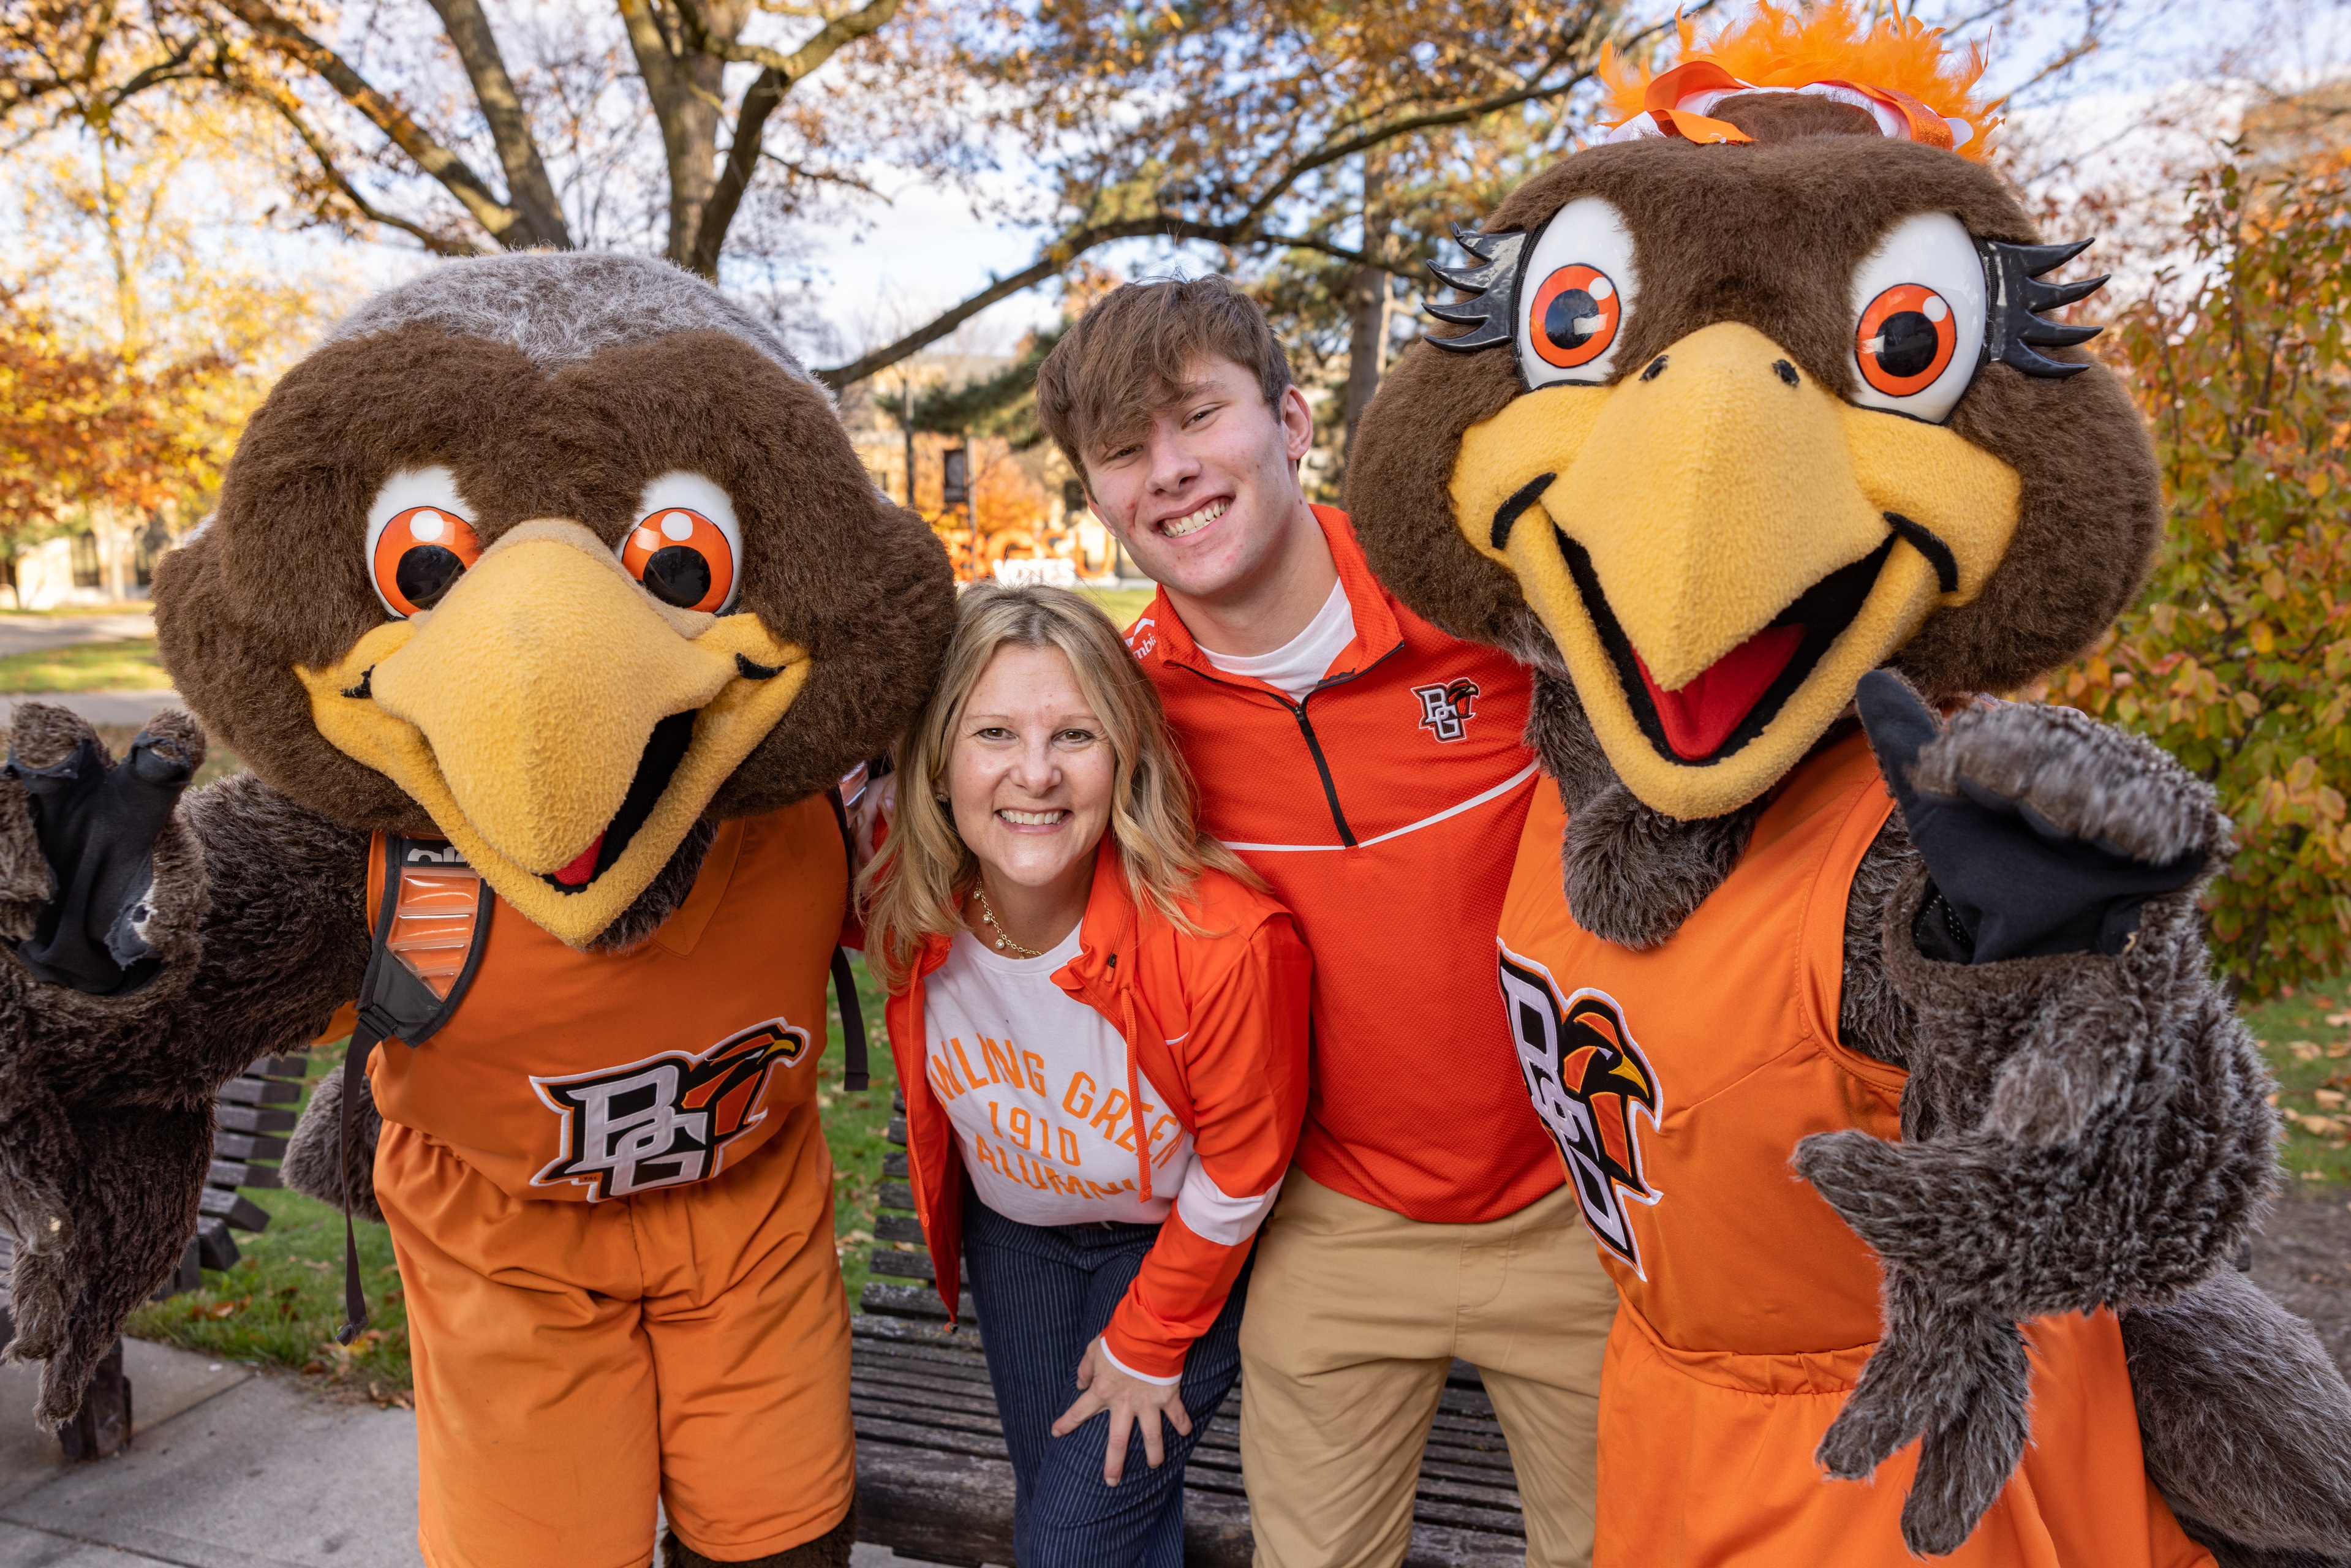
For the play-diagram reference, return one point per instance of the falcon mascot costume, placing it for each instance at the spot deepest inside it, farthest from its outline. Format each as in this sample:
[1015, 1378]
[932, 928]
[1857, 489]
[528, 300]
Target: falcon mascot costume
[546, 601]
[1871, 1016]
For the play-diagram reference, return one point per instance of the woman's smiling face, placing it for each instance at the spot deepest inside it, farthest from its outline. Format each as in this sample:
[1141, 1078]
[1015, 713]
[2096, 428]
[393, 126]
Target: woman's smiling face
[1030, 776]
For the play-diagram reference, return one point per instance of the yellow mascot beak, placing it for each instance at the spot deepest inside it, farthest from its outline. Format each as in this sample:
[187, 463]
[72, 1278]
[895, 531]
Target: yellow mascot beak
[1721, 549]
[562, 727]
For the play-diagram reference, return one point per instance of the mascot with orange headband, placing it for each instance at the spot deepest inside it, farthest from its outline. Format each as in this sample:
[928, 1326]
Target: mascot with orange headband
[1872, 1015]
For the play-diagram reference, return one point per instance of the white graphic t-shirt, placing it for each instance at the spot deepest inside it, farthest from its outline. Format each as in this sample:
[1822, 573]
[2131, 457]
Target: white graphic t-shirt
[1295, 666]
[1035, 1083]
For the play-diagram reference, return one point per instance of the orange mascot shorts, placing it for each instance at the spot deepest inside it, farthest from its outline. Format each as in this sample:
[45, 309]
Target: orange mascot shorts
[576, 1361]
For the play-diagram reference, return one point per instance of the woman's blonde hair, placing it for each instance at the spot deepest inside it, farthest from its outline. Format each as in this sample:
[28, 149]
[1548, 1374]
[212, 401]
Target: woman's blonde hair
[913, 889]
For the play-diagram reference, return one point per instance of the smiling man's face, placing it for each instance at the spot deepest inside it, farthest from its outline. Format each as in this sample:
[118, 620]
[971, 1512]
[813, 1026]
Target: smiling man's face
[1205, 496]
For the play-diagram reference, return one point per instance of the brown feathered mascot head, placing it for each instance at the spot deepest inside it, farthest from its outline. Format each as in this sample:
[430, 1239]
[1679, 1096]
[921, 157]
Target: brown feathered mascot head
[1753, 398]
[560, 558]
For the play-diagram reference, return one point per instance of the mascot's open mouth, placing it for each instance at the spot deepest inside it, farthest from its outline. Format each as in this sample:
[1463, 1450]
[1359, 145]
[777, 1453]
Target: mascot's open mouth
[671, 738]
[1732, 701]
[1763, 543]
[665, 749]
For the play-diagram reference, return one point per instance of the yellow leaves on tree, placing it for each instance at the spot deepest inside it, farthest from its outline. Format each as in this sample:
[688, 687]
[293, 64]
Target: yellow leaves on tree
[78, 428]
[141, 308]
[2236, 658]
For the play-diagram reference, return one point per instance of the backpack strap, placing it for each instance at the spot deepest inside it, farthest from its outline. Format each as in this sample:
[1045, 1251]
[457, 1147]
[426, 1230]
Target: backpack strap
[427, 933]
[853, 1075]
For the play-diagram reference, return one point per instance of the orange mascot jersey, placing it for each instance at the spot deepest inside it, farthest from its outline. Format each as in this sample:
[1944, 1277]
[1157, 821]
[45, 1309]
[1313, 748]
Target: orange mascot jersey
[591, 1075]
[1676, 1082]
[612, 1206]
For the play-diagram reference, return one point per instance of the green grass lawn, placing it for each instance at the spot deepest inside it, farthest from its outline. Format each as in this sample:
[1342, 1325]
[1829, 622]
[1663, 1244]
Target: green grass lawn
[2307, 1038]
[1121, 604]
[856, 1128]
[125, 666]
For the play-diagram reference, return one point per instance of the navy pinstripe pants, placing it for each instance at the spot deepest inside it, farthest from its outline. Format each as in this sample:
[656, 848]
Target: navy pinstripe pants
[1043, 1294]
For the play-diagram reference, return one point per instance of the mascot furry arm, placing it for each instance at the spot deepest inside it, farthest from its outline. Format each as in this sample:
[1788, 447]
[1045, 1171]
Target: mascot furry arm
[426, 606]
[1741, 407]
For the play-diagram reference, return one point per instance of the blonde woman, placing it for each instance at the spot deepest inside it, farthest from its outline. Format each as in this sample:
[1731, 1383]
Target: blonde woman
[1100, 1024]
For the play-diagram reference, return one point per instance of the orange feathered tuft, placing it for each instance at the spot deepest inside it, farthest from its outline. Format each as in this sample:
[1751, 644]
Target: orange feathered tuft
[1779, 46]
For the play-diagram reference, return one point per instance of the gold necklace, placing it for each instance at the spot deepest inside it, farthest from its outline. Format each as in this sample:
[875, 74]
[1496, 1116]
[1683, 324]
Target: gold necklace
[1004, 942]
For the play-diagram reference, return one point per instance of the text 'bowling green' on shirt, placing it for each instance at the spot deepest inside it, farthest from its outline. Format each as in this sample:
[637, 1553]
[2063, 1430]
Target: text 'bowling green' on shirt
[1036, 1085]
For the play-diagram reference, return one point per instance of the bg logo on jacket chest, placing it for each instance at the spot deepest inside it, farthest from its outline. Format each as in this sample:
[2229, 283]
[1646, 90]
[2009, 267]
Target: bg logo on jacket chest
[1587, 1079]
[1445, 709]
[665, 1121]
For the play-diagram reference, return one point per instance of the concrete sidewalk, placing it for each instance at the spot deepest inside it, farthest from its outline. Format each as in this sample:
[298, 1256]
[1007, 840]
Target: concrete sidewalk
[38, 634]
[227, 1468]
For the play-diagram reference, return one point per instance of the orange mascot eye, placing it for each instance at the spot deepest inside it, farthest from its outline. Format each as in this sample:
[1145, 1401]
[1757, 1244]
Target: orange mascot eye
[420, 555]
[1575, 315]
[683, 559]
[1905, 339]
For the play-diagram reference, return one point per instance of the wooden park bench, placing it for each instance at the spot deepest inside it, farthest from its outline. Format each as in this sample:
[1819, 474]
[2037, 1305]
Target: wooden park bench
[933, 1482]
[252, 1113]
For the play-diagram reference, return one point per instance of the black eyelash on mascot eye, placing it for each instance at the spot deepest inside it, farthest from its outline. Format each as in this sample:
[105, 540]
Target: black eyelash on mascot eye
[2011, 328]
[1493, 282]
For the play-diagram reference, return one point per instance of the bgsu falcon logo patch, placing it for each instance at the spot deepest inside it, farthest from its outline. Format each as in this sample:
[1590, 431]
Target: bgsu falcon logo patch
[1445, 710]
[1587, 1079]
[665, 1121]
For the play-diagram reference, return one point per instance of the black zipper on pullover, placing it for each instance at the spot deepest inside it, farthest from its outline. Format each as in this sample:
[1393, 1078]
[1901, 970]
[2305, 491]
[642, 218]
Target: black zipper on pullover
[1313, 745]
[1322, 766]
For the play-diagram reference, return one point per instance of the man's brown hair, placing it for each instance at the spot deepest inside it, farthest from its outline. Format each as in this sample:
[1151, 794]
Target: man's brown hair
[1126, 358]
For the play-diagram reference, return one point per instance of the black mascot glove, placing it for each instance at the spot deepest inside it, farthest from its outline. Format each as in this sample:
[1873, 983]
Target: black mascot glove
[96, 825]
[2006, 882]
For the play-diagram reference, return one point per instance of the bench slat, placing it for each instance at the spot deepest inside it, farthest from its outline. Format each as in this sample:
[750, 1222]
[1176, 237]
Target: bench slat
[897, 1227]
[903, 1265]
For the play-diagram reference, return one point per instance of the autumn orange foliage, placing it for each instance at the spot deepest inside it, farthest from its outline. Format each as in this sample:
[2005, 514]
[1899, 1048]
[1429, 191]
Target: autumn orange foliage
[78, 428]
[2238, 657]
[1004, 502]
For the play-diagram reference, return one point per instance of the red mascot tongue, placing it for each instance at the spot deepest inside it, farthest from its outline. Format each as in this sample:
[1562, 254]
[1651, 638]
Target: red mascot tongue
[1699, 717]
[577, 874]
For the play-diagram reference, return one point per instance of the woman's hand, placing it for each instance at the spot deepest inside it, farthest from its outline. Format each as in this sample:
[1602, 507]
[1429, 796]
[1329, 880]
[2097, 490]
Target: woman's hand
[1129, 1400]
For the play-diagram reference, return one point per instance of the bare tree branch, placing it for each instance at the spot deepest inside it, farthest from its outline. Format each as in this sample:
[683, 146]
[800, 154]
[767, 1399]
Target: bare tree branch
[527, 186]
[1246, 229]
[800, 171]
[1054, 259]
[291, 111]
[837, 32]
[505, 224]
[23, 46]
[778, 74]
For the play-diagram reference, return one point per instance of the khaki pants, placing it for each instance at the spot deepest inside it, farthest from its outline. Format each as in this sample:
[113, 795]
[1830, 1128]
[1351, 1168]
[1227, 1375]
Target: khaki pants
[1353, 1318]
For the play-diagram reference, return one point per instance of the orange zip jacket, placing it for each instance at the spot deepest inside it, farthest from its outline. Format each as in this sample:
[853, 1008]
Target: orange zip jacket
[1383, 808]
[1217, 1021]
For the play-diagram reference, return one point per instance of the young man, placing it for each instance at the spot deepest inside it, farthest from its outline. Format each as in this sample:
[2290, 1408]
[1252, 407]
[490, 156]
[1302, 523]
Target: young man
[1370, 767]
